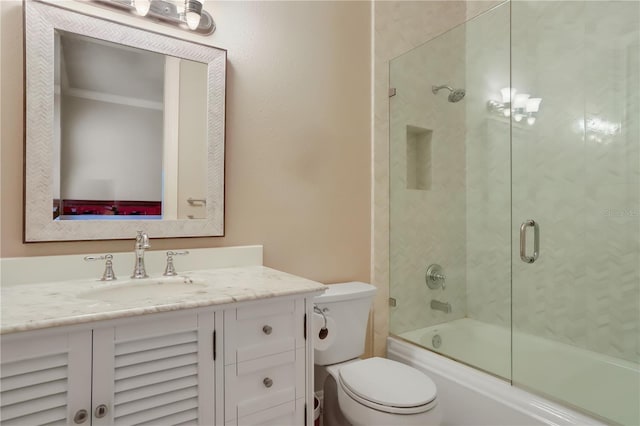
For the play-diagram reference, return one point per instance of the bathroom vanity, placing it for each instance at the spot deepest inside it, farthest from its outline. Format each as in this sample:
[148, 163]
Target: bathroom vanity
[230, 349]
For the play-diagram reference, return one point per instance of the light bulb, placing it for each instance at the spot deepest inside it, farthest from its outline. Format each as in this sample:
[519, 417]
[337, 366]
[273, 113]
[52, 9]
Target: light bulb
[193, 20]
[192, 12]
[506, 112]
[530, 120]
[518, 117]
[142, 6]
[507, 94]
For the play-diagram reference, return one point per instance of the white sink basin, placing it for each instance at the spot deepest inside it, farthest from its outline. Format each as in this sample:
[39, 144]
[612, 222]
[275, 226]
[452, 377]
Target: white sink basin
[141, 289]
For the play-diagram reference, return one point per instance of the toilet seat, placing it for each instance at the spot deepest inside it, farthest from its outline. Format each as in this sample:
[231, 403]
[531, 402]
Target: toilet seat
[388, 386]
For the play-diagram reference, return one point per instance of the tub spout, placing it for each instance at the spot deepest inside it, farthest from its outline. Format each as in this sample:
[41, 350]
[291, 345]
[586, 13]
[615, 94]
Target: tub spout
[441, 306]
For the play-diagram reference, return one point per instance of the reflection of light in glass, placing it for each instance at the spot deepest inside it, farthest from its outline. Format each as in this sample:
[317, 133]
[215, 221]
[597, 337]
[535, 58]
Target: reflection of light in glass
[598, 125]
[520, 100]
[533, 104]
[597, 129]
[518, 105]
[507, 94]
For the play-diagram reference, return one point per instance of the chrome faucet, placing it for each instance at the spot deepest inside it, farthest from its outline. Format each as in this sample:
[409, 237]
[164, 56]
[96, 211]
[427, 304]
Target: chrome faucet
[142, 243]
[441, 306]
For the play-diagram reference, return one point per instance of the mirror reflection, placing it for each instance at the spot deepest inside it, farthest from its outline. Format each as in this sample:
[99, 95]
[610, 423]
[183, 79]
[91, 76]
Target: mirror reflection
[130, 137]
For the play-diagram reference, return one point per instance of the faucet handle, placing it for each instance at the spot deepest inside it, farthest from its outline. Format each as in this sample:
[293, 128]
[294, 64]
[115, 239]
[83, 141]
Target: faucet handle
[170, 270]
[108, 274]
[435, 277]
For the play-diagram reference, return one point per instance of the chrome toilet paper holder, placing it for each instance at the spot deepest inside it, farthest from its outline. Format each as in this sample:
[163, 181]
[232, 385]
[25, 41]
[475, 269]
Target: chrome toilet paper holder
[324, 332]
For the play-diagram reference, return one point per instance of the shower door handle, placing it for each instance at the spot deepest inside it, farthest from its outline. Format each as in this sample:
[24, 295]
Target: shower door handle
[523, 241]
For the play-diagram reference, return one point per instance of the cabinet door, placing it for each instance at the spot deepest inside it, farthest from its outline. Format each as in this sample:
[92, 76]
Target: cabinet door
[45, 378]
[156, 370]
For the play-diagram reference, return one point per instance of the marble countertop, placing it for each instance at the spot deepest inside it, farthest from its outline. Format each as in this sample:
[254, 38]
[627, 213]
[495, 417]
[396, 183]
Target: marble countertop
[36, 306]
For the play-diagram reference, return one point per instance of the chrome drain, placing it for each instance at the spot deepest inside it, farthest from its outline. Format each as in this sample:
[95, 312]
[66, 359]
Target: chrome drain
[436, 341]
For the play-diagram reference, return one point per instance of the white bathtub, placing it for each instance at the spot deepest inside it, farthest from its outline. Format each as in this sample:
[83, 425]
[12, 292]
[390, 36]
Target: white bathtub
[599, 384]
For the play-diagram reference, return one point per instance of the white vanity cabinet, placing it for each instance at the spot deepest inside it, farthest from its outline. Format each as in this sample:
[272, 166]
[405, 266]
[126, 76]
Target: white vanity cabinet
[247, 363]
[157, 369]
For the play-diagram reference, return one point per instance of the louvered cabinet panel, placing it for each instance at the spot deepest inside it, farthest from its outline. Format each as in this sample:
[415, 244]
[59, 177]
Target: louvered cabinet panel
[155, 371]
[44, 379]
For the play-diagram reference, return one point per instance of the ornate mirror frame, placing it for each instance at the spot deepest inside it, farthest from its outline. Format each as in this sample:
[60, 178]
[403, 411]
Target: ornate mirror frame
[41, 21]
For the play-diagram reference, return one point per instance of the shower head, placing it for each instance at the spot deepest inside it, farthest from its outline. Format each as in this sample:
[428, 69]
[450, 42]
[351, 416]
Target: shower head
[455, 95]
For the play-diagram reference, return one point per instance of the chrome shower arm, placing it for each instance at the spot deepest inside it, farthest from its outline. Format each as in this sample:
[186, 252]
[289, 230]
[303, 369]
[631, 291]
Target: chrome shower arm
[436, 89]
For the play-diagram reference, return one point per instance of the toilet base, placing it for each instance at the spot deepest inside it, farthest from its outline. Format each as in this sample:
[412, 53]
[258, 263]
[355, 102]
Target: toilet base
[331, 413]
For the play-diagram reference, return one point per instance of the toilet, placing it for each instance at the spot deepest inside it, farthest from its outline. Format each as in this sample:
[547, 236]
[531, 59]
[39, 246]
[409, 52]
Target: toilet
[371, 392]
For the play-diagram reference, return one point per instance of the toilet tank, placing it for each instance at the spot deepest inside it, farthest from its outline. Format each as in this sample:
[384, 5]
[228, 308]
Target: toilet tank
[348, 306]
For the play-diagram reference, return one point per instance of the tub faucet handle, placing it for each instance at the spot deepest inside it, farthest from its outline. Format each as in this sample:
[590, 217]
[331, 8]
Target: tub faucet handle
[435, 277]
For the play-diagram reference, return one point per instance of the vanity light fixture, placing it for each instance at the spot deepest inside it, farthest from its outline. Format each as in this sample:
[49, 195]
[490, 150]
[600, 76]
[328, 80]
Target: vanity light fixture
[187, 14]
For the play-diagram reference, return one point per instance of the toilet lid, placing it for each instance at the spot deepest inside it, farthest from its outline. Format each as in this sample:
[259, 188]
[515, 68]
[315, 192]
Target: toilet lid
[388, 383]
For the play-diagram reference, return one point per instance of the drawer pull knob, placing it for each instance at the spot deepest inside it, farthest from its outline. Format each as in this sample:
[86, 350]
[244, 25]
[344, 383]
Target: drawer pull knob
[267, 329]
[81, 416]
[267, 382]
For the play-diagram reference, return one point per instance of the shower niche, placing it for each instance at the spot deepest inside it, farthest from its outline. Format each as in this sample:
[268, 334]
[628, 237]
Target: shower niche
[419, 174]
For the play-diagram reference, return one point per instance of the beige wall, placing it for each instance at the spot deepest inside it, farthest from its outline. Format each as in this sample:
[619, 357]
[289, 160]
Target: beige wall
[298, 136]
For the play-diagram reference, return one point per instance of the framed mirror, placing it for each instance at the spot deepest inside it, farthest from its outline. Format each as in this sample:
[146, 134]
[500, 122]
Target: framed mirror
[124, 130]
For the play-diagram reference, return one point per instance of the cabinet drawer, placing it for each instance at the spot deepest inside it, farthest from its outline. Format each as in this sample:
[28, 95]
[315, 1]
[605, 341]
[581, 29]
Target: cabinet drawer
[288, 414]
[262, 330]
[264, 383]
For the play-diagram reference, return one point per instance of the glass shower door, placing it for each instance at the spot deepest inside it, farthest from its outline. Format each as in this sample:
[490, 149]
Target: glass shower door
[450, 195]
[576, 173]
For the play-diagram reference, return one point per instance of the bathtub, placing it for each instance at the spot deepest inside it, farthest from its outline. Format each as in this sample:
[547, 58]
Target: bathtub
[605, 386]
